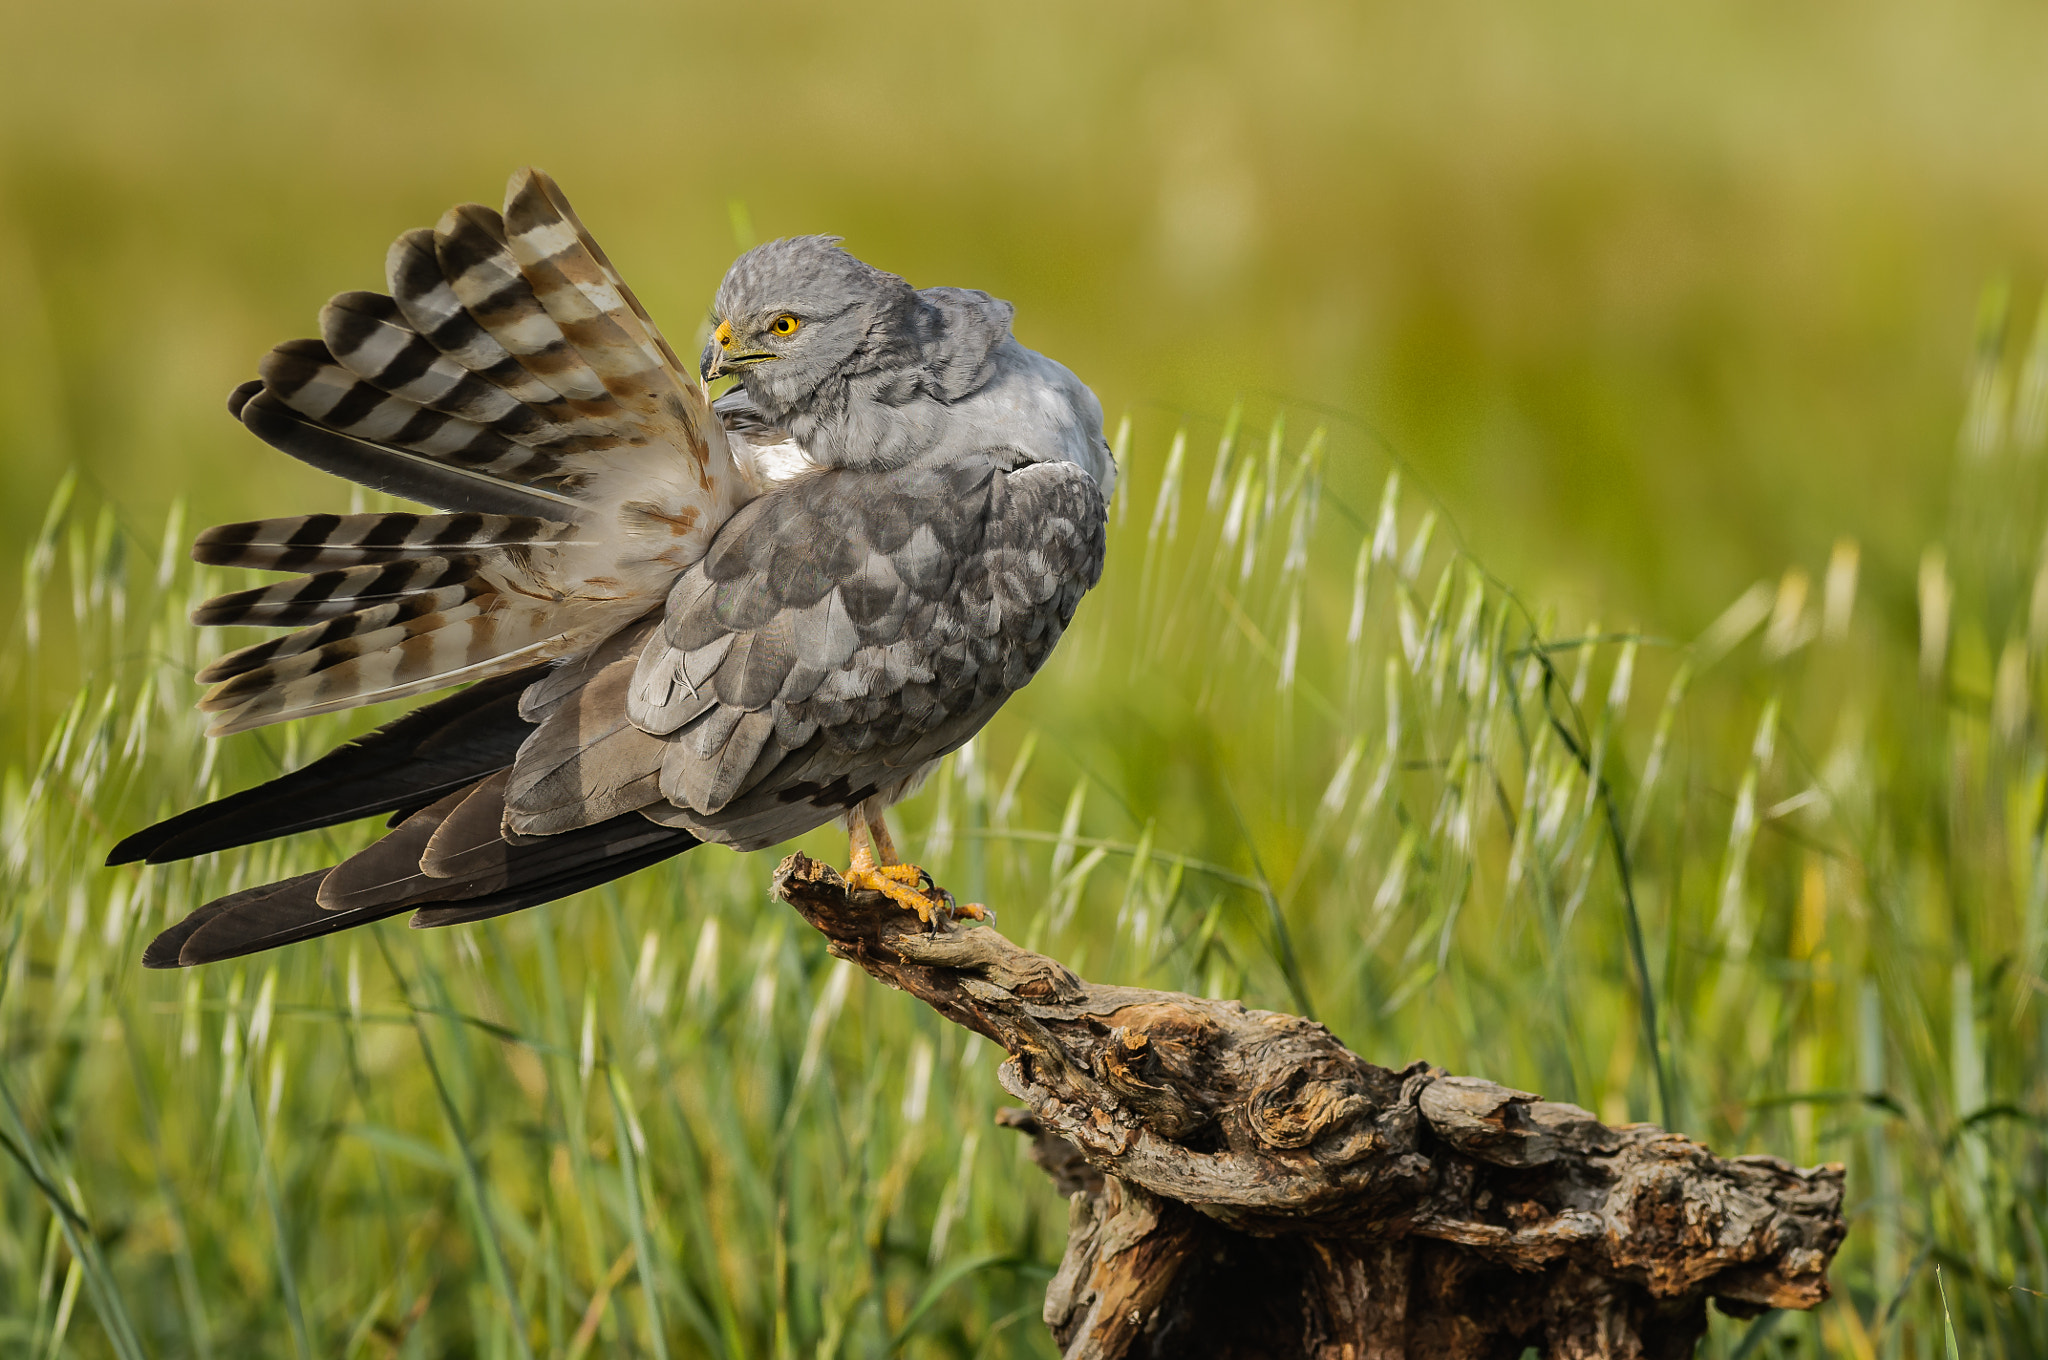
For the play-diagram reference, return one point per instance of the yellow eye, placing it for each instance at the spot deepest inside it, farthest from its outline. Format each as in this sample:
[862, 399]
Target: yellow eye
[723, 335]
[785, 324]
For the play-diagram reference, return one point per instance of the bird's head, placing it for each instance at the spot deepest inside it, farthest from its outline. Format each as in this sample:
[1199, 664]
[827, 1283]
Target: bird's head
[793, 313]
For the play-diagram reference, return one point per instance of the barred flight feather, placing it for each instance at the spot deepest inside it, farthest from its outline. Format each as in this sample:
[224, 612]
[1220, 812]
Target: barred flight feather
[470, 642]
[510, 375]
[368, 336]
[301, 655]
[438, 607]
[559, 203]
[423, 296]
[397, 472]
[329, 595]
[305, 376]
[579, 294]
[470, 242]
[300, 542]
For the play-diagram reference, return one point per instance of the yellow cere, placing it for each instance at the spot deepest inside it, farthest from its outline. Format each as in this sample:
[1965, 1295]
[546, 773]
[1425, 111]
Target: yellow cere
[723, 334]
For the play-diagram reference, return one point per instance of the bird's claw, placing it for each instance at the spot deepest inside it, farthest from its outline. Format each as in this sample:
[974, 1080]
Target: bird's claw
[906, 885]
[961, 911]
[913, 889]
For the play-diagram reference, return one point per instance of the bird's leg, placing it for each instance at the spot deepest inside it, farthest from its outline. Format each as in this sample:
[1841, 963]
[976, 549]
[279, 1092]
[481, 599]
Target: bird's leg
[868, 842]
[884, 843]
[885, 855]
[876, 866]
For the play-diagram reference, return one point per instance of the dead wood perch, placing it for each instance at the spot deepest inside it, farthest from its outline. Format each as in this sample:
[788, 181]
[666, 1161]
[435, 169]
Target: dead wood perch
[1243, 1185]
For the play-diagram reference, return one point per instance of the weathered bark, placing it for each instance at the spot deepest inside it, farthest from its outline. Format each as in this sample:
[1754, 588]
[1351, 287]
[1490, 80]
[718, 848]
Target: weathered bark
[1243, 1185]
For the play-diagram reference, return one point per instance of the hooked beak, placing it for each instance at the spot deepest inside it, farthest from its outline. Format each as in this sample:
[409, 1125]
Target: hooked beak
[721, 359]
[721, 362]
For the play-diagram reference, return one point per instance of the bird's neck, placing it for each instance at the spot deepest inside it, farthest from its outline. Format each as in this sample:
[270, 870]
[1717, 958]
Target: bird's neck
[870, 422]
[892, 401]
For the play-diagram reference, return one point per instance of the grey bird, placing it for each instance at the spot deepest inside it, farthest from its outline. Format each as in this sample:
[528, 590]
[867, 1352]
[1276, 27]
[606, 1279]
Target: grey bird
[681, 621]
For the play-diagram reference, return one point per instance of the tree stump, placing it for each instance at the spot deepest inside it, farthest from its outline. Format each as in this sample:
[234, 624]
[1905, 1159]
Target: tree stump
[1242, 1185]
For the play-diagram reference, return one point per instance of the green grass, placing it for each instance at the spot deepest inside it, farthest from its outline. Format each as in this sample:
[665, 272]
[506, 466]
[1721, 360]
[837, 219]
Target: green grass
[1781, 886]
[1657, 307]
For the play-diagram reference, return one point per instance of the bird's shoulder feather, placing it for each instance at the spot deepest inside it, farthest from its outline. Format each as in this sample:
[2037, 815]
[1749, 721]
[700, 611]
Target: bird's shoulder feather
[842, 633]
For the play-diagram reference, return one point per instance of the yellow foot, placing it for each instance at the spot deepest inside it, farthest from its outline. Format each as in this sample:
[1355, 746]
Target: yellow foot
[906, 885]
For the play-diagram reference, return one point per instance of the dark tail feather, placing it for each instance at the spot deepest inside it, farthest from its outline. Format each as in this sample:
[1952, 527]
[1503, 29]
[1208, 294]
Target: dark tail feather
[523, 874]
[629, 858]
[403, 765]
[456, 852]
[252, 920]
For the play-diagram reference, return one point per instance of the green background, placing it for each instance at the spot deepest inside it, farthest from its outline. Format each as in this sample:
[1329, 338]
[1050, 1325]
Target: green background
[1651, 309]
[1656, 298]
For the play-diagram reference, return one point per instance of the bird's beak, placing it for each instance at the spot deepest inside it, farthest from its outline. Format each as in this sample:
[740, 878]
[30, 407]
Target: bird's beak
[721, 359]
[720, 362]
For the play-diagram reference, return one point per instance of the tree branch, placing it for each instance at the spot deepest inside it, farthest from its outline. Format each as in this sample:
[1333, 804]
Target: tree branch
[1242, 1184]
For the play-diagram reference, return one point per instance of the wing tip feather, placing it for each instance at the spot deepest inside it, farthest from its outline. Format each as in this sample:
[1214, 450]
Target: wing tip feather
[239, 398]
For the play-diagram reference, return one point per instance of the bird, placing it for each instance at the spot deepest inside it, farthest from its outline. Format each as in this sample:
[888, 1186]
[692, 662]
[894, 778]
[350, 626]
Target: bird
[674, 620]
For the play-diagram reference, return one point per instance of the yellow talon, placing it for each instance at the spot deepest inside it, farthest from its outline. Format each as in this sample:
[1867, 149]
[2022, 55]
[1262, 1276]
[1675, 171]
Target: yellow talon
[904, 873]
[906, 885]
[892, 883]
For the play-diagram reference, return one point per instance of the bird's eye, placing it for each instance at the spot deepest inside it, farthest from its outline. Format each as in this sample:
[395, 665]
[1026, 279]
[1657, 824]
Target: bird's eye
[785, 324]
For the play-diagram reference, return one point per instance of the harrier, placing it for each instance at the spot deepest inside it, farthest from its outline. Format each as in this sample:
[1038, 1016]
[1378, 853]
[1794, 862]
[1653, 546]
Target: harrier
[678, 620]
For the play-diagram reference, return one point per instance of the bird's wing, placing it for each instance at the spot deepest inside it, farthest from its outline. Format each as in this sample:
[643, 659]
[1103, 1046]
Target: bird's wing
[842, 633]
[510, 376]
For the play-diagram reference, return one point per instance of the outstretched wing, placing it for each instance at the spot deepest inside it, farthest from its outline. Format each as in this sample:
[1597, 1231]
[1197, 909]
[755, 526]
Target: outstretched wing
[509, 376]
[843, 633]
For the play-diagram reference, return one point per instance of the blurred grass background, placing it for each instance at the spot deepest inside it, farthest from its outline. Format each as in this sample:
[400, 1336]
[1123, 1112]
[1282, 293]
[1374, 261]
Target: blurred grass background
[1651, 311]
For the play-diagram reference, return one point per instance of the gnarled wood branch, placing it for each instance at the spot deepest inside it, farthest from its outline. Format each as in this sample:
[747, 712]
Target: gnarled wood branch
[1241, 1184]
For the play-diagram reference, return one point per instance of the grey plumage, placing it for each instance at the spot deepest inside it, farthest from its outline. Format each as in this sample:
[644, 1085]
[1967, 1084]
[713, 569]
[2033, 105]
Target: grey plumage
[867, 623]
[878, 373]
[921, 508]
